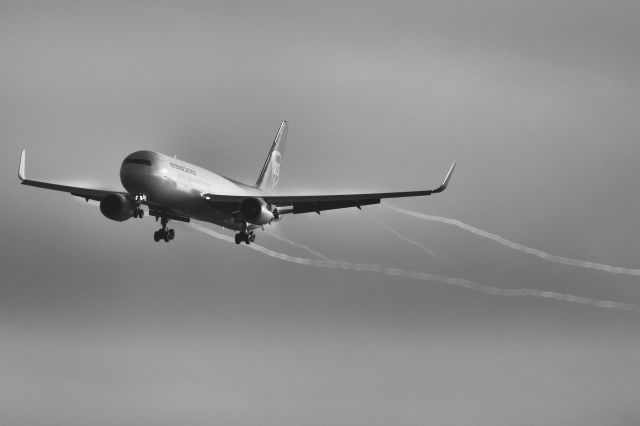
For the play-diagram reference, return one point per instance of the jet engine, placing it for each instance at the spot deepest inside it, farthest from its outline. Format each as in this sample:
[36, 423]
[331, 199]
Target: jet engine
[117, 207]
[255, 211]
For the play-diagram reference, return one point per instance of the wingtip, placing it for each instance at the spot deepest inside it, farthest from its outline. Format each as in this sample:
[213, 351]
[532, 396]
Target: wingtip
[449, 174]
[21, 173]
[447, 178]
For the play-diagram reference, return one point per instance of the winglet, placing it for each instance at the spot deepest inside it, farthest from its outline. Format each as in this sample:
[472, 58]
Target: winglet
[446, 179]
[21, 174]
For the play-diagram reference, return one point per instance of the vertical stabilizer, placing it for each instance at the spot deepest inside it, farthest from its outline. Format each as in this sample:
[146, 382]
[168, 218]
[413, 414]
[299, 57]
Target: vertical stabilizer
[270, 173]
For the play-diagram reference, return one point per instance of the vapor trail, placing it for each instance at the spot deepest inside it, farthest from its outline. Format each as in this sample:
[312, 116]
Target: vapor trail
[405, 239]
[423, 276]
[294, 244]
[500, 240]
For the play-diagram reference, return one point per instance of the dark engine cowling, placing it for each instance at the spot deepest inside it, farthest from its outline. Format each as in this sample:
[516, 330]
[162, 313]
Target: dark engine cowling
[256, 211]
[117, 207]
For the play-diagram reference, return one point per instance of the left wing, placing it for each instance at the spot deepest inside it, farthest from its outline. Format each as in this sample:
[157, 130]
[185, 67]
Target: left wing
[86, 193]
[297, 204]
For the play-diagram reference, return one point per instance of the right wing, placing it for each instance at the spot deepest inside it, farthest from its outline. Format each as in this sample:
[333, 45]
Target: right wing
[86, 193]
[297, 204]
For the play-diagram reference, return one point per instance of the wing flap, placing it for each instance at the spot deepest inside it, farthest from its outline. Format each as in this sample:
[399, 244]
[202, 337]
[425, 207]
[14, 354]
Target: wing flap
[307, 207]
[86, 193]
[158, 211]
[283, 200]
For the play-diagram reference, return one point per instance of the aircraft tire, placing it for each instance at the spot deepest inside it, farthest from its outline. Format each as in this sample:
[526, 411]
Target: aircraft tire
[140, 213]
[156, 236]
[252, 237]
[238, 238]
[172, 234]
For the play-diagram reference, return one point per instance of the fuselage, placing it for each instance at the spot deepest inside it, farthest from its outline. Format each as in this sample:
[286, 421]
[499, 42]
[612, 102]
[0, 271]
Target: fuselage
[178, 186]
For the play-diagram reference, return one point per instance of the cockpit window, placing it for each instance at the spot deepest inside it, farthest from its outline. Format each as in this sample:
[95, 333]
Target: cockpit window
[137, 161]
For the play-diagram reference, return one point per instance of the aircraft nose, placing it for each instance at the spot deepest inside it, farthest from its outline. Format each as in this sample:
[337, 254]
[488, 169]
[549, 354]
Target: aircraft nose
[133, 169]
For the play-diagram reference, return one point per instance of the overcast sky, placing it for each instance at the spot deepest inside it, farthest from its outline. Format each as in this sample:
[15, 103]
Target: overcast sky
[538, 101]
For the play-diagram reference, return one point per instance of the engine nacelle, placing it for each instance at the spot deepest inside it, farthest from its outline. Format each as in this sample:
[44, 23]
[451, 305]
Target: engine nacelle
[255, 211]
[117, 207]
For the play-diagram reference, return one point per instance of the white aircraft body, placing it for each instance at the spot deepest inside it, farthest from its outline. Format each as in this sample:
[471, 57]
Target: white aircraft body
[176, 190]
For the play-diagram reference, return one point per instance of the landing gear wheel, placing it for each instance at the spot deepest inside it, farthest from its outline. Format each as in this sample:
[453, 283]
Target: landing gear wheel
[140, 213]
[247, 238]
[163, 233]
[238, 238]
[252, 237]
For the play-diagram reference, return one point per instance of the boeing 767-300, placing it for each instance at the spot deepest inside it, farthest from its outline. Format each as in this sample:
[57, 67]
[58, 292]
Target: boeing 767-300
[176, 190]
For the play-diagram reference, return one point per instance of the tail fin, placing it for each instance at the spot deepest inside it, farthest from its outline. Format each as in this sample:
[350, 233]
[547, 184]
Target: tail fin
[270, 173]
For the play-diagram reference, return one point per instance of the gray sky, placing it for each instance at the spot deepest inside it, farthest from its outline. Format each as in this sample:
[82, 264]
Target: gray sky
[538, 102]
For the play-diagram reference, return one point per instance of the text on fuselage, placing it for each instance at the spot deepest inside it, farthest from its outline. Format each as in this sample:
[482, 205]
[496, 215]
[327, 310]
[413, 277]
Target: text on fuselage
[183, 168]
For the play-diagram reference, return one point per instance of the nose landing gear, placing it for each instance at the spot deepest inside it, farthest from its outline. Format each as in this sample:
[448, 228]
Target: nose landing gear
[139, 199]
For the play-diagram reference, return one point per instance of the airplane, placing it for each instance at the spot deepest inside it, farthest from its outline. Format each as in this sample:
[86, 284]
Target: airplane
[176, 190]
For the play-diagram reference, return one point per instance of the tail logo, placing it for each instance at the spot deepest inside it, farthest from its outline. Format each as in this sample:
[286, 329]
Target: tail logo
[275, 168]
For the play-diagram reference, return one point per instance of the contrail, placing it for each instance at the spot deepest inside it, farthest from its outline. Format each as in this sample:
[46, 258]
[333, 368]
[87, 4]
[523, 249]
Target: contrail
[294, 244]
[423, 276]
[405, 239]
[500, 240]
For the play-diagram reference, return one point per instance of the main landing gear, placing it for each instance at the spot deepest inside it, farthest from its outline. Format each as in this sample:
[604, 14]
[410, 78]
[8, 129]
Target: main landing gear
[246, 237]
[164, 233]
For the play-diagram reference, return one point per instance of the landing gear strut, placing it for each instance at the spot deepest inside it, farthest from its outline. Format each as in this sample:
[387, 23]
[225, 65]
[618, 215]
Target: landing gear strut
[164, 233]
[246, 237]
